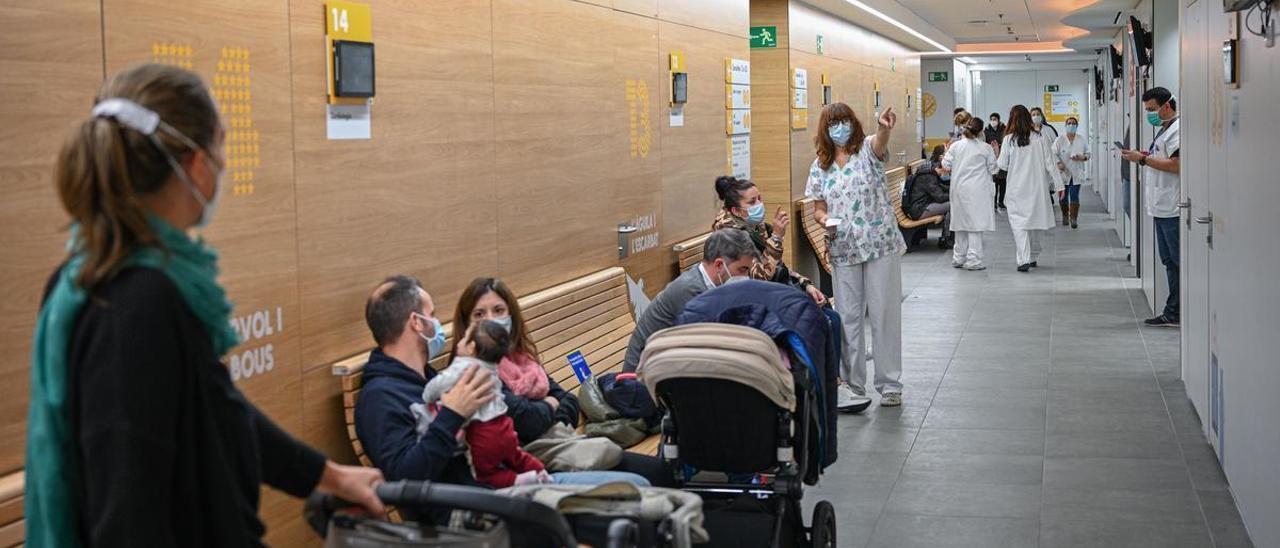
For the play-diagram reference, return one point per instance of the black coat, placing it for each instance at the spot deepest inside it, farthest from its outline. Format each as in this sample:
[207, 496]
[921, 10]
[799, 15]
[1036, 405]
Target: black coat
[168, 451]
[923, 189]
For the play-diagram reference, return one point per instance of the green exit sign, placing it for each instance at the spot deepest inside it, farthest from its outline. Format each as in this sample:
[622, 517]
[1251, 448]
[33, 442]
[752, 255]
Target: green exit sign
[764, 37]
[1051, 88]
[937, 76]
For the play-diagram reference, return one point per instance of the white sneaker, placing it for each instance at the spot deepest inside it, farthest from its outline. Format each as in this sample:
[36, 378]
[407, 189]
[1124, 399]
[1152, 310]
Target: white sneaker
[957, 264]
[892, 399]
[975, 266]
[849, 401]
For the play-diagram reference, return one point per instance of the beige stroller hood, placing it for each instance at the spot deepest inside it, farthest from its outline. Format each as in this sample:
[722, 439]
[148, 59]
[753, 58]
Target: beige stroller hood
[718, 351]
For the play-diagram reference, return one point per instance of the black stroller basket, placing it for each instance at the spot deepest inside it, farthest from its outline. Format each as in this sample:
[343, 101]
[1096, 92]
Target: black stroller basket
[489, 519]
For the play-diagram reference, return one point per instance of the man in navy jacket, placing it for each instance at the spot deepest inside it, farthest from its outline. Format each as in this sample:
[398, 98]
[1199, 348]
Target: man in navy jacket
[400, 315]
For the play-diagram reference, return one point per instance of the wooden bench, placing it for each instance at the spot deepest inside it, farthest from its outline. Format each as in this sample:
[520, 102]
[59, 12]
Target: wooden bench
[12, 531]
[689, 252]
[591, 314]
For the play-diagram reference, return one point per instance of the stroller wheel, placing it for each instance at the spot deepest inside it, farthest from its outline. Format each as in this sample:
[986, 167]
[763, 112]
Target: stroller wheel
[823, 532]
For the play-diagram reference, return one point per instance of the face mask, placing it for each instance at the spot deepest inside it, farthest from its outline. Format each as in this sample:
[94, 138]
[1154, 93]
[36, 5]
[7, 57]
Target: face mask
[1071, 129]
[504, 321]
[755, 213]
[840, 133]
[946, 177]
[1153, 118]
[995, 123]
[145, 121]
[1037, 119]
[435, 345]
[736, 279]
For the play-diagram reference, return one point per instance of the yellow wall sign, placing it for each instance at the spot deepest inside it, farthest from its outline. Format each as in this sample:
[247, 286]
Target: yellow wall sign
[677, 62]
[799, 118]
[345, 21]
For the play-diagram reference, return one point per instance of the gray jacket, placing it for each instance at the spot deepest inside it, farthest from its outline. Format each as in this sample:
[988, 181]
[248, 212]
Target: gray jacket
[662, 313]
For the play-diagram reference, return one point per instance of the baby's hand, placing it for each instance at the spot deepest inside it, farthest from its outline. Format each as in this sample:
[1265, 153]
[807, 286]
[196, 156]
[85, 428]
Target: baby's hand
[529, 478]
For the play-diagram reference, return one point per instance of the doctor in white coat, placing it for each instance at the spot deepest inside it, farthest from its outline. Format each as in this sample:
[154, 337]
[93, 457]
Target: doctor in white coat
[1071, 152]
[1027, 156]
[972, 162]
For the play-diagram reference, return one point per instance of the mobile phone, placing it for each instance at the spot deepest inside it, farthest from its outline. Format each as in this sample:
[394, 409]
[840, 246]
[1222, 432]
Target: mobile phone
[1118, 145]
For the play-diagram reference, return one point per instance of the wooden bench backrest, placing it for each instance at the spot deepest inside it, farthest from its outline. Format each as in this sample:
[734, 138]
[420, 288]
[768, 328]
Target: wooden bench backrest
[815, 233]
[689, 252]
[12, 526]
[591, 314]
[895, 179]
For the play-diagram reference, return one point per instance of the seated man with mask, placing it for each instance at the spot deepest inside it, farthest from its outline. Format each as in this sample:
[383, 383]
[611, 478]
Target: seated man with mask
[401, 316]
[727, 254]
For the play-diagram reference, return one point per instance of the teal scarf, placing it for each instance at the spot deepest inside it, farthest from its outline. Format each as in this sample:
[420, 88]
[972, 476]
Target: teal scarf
[51, 505]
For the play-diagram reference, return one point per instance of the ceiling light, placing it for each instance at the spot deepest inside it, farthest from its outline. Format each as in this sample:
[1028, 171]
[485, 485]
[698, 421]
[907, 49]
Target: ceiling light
[860, 5]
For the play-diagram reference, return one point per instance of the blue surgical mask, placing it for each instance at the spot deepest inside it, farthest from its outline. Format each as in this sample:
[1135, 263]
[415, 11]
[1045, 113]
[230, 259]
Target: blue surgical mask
[840, 133]
[1037, 119]
[1071, 128]
[435, 345]
[504, 321]
[1153, 118]
[755, 213]
[946, 177]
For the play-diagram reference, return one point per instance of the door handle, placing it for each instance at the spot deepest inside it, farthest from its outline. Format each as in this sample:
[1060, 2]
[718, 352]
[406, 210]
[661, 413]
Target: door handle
[1184, 204]
[1204, 220]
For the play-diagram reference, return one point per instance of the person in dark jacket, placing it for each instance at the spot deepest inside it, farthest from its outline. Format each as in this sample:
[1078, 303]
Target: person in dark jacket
[401, 316]
[926, 197]
[727, 253]
[993, 135]
[136, 433]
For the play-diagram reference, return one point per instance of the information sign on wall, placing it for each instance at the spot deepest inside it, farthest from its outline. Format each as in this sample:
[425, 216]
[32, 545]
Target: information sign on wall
[764, 37]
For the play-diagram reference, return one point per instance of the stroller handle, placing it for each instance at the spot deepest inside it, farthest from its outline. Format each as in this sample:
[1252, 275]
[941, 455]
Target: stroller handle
[320, 507]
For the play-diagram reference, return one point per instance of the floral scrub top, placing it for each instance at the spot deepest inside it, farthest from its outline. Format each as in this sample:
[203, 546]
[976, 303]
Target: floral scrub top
[857, 194]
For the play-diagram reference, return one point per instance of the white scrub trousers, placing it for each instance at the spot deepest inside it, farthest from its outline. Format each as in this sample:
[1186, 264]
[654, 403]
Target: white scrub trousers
[1026, 244]
[968, 248]
[872, 290]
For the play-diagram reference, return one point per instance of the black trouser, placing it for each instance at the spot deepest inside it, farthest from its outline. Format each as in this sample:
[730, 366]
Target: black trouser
[1000, 186]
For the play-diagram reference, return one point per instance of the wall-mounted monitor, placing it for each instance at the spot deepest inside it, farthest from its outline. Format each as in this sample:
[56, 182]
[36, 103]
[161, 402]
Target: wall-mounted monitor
[353, 69]
[1141, 41]
[679, 88]
[1117, 63]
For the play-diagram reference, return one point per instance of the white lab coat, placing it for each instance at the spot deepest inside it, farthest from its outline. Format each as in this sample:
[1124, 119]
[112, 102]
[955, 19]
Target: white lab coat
[972, 163]
[1064, 149]
[1032, 170]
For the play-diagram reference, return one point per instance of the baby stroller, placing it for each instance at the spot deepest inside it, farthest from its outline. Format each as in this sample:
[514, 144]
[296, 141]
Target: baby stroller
[739, 404]
[481, 519]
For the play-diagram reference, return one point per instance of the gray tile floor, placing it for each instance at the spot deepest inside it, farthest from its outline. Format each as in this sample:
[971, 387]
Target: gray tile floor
[1037, 412]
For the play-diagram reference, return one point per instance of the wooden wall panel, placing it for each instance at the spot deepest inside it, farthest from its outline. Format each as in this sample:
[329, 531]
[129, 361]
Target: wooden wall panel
[771, 114]
[418, 198]
[47, 88]
[565, 141]
[694, 155]
[726, 16]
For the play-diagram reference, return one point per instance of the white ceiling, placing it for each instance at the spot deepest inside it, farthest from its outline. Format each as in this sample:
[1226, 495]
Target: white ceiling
[1012, 22]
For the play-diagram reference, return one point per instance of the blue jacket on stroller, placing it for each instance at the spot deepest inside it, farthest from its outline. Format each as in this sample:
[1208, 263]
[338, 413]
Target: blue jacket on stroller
[789, 316]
